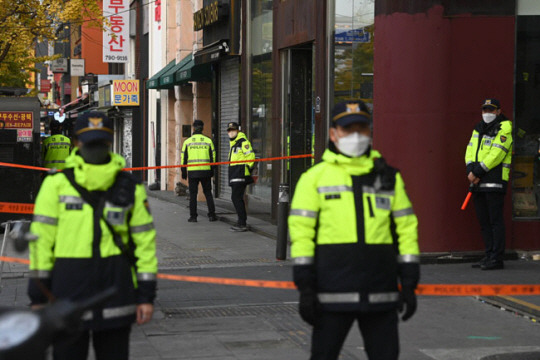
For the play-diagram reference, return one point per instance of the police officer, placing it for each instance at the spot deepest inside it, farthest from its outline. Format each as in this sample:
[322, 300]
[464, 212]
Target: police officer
[353, 234]
[488, 160]
[239, 173]
[55, 149]
[199, 149]
[95, 231]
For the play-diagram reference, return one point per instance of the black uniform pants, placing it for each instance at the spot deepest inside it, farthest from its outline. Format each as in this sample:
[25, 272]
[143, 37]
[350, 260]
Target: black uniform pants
[110, 344]
[489, 210]
[206, 183]
[379, 331]
[237, 197]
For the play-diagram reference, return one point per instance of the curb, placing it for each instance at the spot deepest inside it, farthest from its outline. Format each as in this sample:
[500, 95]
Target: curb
[512, 304]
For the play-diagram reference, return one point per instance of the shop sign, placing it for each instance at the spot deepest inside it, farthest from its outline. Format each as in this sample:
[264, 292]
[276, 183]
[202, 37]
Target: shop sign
[125, 93]
[116, 35]
[77, 67]
[17, 119]
[24, 135]
[45, 86]
[209, 15]
[59, 65]
[349, 36]
[104, 96]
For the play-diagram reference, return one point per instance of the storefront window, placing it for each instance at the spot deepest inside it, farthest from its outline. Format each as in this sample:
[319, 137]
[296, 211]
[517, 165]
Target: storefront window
[526, 159]
[352, 41]
[260, 125]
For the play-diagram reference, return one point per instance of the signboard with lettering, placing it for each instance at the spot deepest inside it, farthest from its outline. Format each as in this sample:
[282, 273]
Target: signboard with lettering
[349, 36]
[116, 36]
[59, 65]
[209, 15]
[125, 93]
[24, 135]
[77, 67]
[17, 119]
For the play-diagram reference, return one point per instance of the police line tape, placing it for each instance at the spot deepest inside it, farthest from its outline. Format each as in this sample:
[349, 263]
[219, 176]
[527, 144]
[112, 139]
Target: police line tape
[21, 208]
[16, 208]
[422, 289]
[175, 166]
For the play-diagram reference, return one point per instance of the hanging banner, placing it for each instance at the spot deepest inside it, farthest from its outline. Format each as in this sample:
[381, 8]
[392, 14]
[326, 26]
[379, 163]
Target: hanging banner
[116, 35]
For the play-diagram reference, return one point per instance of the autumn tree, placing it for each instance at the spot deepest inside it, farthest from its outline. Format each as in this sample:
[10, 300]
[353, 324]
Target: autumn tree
[23, 23]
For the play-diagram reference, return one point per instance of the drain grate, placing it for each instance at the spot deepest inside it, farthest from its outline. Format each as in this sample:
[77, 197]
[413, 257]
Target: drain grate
[207, 260]
[229, 311]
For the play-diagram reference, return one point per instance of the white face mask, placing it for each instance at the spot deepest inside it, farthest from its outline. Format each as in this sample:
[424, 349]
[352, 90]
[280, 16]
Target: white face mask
[488, 117]
[354, 144]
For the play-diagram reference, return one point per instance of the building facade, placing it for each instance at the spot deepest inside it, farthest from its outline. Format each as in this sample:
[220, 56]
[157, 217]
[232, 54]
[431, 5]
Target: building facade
[424, 68]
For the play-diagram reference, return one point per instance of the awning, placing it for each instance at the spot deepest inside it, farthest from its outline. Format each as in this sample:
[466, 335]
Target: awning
[166, 81]
[212, 52]
[192, 72]
[153, 82]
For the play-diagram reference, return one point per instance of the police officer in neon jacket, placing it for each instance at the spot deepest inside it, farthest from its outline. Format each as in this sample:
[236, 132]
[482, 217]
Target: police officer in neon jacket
[354, 239]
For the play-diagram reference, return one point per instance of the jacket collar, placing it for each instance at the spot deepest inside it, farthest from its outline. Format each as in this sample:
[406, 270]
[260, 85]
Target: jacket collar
[95, 177]
[353, 165]
[240, 135]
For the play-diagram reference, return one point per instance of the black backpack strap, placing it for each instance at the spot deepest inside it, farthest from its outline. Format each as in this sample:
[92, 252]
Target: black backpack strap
[97, 201]
[385, 172]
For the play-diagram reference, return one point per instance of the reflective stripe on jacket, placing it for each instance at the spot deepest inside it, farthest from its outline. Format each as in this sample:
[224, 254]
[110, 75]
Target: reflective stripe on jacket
[75, 253]
[198, 149]
[55, 150]
[240, 150]
[354, 231]
[489, 155]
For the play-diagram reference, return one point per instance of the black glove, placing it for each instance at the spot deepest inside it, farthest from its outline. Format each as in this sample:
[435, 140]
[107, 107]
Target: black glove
[184, 173]
[308, 306]
[407, 306]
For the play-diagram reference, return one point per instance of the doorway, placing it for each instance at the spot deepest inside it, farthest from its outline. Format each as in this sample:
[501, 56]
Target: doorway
[298, 113]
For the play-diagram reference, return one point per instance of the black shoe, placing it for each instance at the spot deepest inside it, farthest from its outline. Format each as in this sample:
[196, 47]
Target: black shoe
[239, 228]
[480, 263]
[212, 218]
[192, 219]
[493, 265]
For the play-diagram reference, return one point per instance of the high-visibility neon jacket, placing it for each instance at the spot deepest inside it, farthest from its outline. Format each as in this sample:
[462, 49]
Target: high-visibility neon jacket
[489, 154]
[75, 255]
[353, 233]
[198, 149]
[55, 149]
[241, 150]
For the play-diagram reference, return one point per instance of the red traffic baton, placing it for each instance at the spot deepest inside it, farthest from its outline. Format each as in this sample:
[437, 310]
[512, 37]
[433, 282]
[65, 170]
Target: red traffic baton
[466, 201]
[467, 198]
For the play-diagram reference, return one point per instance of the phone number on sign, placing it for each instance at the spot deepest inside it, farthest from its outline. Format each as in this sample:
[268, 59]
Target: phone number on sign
[116, 58]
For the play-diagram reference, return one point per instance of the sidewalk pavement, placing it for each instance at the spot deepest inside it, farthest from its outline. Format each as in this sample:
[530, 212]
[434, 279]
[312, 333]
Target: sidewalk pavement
[206, 321]
[528, 271]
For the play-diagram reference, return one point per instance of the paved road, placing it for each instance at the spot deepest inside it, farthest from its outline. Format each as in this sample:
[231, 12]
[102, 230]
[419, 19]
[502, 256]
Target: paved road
[208, 322]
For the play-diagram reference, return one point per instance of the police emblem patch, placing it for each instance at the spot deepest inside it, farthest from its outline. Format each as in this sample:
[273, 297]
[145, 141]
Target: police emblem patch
[95, 122]
[246, 147]
[503, 138]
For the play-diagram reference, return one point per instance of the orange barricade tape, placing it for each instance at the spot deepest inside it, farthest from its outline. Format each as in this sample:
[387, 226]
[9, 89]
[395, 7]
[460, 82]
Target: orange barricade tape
[14, 260]
[229, 281]
[24, 166]
[477, 289]
[175, 166]
[16, 208]
[220, 163]
[423, 289]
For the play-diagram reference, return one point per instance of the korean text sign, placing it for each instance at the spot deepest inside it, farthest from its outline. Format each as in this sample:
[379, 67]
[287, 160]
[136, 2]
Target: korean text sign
[116, 34]
[17, 119]
[125, 93]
